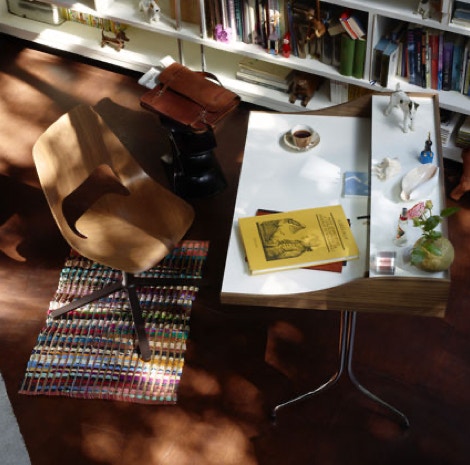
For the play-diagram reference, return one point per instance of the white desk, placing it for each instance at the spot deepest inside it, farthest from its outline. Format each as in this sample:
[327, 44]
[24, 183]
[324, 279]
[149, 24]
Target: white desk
[273, 177]
[276, 178]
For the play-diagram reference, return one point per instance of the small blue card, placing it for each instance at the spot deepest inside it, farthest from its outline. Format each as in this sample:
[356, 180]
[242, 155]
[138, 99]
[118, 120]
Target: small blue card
[356, 183]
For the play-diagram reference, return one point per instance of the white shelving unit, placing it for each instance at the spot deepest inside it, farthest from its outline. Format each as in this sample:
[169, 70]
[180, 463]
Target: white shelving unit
[188, 43]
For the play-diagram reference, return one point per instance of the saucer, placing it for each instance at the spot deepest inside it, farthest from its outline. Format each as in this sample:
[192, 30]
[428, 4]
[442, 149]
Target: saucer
[290, 143]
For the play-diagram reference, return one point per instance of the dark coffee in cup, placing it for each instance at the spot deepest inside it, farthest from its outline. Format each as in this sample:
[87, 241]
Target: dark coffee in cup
[301, 136]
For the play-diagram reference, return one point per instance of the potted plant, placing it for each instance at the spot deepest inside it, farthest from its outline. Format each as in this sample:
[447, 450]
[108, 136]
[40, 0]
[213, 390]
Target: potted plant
[432, 251]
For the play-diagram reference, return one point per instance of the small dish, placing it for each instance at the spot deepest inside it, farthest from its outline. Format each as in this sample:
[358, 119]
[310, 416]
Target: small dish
[290, 143]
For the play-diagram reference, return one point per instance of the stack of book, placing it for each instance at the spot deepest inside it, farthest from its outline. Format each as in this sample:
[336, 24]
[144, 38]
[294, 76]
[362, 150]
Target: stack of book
[341, 92]
[265, 74]
[463, 134]
[435, 59]
[297, 239]
[449, 123]
[352, 46]
[387, 53]
[461, 15]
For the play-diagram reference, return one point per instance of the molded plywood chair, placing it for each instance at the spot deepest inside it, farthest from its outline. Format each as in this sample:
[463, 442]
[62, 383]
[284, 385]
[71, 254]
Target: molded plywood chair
[107, 208]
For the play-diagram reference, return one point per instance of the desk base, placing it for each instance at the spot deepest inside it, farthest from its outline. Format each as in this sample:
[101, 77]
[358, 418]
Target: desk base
[346, 349]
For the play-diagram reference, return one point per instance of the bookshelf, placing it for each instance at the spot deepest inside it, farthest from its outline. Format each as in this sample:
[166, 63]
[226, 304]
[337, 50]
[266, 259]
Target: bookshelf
[191, 44]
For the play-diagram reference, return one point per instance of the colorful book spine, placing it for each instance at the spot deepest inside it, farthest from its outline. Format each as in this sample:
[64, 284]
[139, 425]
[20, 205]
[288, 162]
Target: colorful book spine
[457, 63]
[411, 65]
[348, 46]
[359, 58]
[447, 63]
[440, 60]
[434, 45]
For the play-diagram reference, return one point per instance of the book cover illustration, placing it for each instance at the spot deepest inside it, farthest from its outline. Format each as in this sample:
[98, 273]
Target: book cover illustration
[336, 267]
[356, 183]
[297, 239]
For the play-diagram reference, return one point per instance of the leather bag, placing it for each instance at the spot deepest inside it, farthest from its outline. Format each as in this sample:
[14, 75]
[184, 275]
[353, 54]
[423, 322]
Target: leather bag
[194, 99]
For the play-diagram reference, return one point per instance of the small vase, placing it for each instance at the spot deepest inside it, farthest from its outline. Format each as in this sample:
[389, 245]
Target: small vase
[432, 262]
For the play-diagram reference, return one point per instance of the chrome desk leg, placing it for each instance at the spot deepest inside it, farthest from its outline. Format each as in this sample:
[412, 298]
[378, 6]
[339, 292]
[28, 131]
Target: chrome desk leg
[346, 348]
[351, 316]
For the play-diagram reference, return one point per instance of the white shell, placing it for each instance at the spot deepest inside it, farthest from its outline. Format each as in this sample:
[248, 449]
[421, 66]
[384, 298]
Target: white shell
[419, 182]
[388, 168]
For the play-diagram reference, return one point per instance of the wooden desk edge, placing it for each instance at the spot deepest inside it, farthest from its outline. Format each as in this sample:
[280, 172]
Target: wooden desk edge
[423, 297]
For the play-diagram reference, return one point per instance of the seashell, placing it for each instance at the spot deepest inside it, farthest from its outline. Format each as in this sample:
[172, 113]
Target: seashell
[418, 182]
[388, 168]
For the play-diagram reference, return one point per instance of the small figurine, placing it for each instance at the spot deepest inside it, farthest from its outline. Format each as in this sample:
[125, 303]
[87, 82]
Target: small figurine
[273, 37]
[117, 42]
[427, 154]
[400, 99]
[222, 34]
[150, 9]
[286, 48]
[302, 87]
[464, 185]
[319, 27]
[424, 9]
[401, 237]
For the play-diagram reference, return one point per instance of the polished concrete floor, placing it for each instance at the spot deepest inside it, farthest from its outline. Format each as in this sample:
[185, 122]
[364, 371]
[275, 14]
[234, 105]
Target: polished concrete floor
[241, 361]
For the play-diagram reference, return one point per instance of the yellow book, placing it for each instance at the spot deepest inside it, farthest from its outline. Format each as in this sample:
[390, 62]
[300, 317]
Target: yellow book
[295, 239]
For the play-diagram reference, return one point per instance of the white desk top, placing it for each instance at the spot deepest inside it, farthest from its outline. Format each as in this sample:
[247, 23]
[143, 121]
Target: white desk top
[388, 140]
[274, 177]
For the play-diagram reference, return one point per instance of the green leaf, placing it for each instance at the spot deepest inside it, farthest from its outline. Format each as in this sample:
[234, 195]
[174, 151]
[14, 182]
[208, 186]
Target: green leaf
[431, 223]
[432, 248]
[417, 256]
[433, 235]
[449, 211]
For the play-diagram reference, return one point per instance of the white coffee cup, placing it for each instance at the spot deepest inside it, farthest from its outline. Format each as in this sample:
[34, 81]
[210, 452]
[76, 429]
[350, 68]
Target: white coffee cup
[301, 135]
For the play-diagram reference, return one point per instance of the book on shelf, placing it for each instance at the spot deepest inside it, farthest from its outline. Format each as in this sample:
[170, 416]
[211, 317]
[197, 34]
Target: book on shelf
[268, 83]
[449, 123]
[265, 69]
[352, 25]
[249, 22]
[461, 15]
[463, 133]
[338, 91]
[297, 239]
[359, 58]
[465, 74]
[348, 47]
[457, 62]
[342, 92]
[447, 58]
[388, 63]
[434, 38]
[377, 57]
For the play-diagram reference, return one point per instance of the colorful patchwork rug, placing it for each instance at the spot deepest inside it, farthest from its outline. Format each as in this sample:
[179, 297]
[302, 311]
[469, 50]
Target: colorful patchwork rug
[91, 352]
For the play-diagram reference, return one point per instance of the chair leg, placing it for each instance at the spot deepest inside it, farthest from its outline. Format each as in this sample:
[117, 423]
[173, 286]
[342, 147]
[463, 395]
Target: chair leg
[86, 299]
[128, 285]
[139, 322]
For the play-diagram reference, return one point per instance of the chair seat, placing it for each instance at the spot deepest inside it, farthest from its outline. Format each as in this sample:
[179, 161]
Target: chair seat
[106, 206]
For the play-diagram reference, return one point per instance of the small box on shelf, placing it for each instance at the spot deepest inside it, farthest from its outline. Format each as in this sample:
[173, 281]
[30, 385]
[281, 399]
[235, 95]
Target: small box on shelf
[37, 11]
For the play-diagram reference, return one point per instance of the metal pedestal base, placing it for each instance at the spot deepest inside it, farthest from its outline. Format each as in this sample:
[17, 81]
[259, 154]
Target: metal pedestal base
[346, 348]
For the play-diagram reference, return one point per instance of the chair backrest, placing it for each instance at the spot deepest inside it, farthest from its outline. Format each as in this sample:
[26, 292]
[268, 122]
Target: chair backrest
[106, 206]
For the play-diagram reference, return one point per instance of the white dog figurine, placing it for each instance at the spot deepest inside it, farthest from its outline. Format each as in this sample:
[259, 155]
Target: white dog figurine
[424, 9]
[151, 10]
[400, 99]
